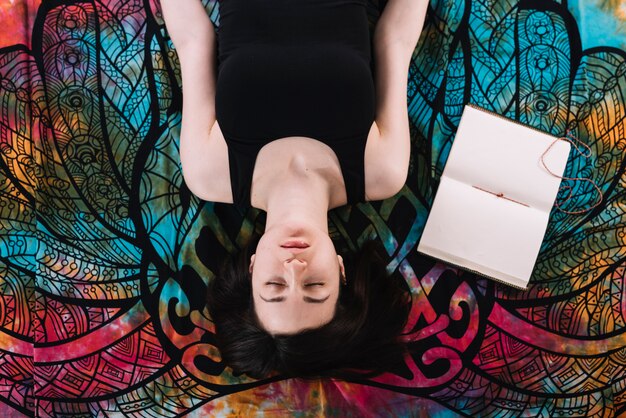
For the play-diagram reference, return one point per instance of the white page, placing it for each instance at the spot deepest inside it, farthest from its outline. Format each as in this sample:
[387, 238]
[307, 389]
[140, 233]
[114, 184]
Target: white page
[505, 156]
[480, 231]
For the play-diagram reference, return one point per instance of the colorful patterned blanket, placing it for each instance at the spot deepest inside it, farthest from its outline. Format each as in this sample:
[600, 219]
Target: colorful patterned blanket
[105, 254]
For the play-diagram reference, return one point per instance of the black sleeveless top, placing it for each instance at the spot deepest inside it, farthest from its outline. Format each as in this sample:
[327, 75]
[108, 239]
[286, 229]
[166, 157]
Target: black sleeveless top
[294, 68]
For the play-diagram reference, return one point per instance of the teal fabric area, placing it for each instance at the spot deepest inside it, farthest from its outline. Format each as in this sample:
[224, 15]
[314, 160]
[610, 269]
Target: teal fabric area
[105, 254]
[601, 23]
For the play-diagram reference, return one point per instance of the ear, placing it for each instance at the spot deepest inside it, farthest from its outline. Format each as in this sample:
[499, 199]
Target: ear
[341, 266]
[251, 263]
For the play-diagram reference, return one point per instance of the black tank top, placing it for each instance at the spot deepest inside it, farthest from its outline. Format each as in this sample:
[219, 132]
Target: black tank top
[294, 68]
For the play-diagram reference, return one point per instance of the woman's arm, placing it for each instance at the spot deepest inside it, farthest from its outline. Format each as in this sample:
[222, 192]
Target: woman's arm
[401, 23]
[395, 38]
[194, 38]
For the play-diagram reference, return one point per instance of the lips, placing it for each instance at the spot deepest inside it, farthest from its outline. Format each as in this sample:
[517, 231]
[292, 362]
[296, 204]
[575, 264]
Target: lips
[295, 244]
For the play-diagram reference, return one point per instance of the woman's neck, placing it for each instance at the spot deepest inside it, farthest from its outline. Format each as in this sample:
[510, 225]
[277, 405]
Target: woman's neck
[298, 196]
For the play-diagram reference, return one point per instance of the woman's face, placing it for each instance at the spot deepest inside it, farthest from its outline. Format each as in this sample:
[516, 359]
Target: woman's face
[295, 279]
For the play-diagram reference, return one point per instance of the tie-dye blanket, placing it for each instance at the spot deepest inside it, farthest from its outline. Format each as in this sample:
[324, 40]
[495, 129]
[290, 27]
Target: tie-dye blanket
[105, 254]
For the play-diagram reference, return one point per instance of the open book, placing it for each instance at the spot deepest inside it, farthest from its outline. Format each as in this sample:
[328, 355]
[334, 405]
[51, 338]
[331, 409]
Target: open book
[491, 210]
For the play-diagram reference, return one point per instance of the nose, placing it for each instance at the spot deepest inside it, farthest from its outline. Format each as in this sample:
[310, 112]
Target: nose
[295, 264]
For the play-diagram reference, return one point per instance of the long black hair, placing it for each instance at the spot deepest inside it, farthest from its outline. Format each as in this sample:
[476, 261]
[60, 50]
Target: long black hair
[362, 339]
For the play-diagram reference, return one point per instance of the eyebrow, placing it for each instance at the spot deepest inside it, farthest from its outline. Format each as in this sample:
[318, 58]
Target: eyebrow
[307, 299]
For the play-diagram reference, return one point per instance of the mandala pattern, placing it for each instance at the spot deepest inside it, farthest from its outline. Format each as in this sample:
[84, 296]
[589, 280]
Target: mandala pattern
[105, 254]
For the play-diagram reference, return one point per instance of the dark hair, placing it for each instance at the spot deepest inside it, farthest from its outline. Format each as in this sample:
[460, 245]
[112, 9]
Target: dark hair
[362, 339]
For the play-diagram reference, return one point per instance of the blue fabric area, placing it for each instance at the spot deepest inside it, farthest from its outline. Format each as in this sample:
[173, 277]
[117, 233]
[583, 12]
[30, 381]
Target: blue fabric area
[106, 254]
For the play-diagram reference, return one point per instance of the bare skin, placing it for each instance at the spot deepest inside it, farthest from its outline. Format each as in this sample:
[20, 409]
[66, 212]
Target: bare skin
[296, 180]
[295, 271]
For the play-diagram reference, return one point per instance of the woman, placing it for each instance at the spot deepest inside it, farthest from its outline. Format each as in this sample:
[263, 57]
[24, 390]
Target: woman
[294, 123]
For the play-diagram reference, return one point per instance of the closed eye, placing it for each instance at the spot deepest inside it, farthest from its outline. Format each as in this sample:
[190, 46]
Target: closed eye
[274, 284]
[284, 284]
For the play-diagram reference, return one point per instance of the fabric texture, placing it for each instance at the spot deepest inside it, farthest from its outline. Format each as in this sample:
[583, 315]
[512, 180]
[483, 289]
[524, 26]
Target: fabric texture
[294, 70]
[105, 255]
